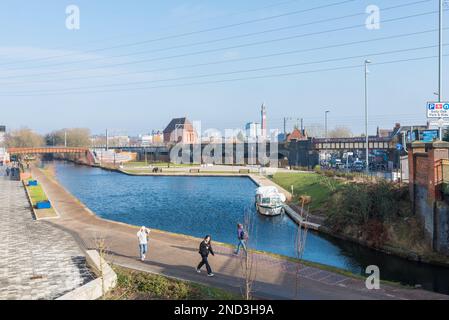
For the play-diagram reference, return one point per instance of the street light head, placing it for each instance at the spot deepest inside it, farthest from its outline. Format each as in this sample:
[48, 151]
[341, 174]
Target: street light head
[367, 61]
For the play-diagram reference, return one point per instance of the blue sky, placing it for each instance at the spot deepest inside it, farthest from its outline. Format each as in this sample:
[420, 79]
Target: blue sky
[52, 77]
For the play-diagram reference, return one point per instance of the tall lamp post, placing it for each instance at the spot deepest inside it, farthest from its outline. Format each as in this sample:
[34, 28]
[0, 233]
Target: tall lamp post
[366, 116]
[440, 61]
[325, 123]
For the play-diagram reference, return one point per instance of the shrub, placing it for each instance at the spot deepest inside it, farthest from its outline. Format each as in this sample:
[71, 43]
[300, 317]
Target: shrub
[363, 204]
[329, 173]
[375, 233]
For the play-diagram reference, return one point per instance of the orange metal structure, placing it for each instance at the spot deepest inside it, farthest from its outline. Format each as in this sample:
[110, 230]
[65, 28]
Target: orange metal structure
[42, 150]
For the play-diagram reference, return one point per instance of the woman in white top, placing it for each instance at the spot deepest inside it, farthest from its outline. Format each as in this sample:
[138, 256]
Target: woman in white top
[142, 237]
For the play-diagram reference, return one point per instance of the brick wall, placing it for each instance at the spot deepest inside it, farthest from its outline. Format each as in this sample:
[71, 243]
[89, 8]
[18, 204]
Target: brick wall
[425, 181]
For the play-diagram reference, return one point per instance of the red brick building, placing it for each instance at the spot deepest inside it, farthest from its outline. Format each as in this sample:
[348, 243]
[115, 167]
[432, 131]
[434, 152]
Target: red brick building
[180, 130]
[296, 135]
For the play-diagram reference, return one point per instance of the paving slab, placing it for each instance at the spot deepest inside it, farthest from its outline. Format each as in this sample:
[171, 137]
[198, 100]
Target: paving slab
[37, 260]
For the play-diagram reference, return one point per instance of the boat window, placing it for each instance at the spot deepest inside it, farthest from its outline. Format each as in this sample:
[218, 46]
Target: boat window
[266, 200]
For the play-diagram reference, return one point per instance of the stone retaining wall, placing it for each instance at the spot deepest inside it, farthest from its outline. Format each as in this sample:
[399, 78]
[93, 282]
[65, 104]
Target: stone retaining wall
[94, 289]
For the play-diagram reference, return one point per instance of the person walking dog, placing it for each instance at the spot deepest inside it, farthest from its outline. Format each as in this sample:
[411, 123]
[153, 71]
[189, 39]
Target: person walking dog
[142, 237]
[204, 250]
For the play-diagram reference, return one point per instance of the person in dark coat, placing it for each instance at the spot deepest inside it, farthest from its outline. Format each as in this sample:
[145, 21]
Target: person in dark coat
[204, 250]
[242, 237]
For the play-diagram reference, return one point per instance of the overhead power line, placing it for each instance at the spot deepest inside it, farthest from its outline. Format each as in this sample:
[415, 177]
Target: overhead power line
[253, 69]
[213, 50]
[187, 23]
[227, 38]
[198, 31]
[402, 35]
[287, 74]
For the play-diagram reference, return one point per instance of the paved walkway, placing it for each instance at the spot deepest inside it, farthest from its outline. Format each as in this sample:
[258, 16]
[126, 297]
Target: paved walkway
[176, 255]
[37, 260]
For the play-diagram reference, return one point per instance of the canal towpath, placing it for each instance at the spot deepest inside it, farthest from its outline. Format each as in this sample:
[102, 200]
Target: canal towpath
[176, 255]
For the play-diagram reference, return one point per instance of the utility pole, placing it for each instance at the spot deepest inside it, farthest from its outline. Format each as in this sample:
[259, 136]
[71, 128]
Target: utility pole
[65, 138]
[290, 118]
[107, 140]
[325, 123]
[440, 61]
[366, 116]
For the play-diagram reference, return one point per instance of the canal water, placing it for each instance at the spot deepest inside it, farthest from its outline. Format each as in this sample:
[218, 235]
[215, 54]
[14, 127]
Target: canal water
[198, 206]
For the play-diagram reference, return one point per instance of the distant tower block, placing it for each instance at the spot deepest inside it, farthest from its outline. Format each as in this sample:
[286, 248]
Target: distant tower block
[264, 120]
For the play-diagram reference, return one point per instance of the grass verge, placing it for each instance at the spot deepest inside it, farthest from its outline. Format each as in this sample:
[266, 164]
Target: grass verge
[138, 285]
[319, 187]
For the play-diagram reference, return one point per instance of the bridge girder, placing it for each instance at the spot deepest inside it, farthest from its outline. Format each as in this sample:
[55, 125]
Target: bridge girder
[45, 150]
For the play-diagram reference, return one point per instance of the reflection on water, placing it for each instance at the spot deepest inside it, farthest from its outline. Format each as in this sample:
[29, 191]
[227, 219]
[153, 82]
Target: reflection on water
[198, 206]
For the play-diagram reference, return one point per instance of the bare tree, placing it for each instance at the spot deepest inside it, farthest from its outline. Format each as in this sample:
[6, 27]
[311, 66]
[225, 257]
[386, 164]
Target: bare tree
[340, 132]
[75, 137]
[315, 130]
[100, 244]
[248, 262]
[301, 238]
[24, 137]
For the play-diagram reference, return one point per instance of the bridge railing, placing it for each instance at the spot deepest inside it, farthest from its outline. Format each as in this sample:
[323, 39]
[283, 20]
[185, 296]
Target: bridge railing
[37, 150]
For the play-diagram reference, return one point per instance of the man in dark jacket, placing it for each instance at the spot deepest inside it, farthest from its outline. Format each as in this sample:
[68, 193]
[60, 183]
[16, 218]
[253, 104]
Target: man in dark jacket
[204, 250]
[242, 237]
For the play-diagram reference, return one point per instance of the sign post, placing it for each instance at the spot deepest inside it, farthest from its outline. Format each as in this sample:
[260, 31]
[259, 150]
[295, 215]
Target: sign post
[440, 111]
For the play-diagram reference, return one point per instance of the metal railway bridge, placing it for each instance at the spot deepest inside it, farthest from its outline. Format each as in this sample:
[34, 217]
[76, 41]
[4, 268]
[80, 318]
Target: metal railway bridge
[297, 153]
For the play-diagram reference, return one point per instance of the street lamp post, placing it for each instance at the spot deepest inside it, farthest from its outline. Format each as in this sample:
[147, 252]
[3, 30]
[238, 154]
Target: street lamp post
[440, 61]
[366, 116]
[325, 123]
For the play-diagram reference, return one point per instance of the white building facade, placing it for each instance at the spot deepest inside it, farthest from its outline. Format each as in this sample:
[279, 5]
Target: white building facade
[253, 130]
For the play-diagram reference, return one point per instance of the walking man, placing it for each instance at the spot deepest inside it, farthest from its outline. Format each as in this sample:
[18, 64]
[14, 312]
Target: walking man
[205, 249]
[142, 237]
[242, 237]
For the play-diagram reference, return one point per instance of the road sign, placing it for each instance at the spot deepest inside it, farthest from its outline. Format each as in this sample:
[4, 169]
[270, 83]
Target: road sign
[438, 110]
[439, 123]
[399, 147]
[429, 135]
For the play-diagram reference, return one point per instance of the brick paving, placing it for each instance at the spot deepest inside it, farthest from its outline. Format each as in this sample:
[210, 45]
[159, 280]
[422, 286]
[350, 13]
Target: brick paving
[37, 260]
[177, 255]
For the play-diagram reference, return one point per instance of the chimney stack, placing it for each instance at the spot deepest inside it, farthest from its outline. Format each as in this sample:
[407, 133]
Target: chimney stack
[264, 120]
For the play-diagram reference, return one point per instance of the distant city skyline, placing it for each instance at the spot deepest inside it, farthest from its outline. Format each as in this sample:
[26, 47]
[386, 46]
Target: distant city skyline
[133, 67]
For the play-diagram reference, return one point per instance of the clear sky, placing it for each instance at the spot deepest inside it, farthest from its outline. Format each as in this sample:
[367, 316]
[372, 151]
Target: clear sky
[133, 65]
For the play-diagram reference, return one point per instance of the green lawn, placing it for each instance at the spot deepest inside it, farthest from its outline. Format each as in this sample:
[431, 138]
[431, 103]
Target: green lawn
[311, 184]
[37, 194]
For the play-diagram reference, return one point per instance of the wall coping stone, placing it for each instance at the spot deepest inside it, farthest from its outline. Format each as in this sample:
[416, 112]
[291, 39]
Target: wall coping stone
[93, 289]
